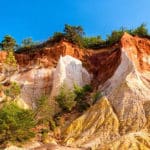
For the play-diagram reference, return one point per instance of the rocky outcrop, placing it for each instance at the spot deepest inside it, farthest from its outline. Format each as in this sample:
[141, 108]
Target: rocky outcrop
[101, 63]
[69, 71]
[131, 141]
[127, 91]
[122, 72]
[99, 125]
[3, 55]
[34, 83]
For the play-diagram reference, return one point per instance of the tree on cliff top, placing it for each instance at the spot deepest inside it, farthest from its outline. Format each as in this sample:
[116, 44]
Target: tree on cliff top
[141, 31]
[8, 43]
[74, 34]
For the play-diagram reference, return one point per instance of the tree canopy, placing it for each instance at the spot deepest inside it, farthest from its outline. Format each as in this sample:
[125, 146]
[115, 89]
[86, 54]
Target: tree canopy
[76, 35]
[8, 43]
[15, 123]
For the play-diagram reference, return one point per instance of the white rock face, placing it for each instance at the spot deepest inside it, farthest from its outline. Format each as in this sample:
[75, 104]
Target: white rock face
[69, 71]
[122, 71]
[126, 92]
[34, 83]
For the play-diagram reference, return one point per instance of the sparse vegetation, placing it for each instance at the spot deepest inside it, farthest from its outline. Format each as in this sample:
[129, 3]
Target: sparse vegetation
[10, 59]
[15, 124]
[76, 35]
[8, 43]
[96, 96]
[13, 91]
[81, 93]
[43, 112]
[28, 42]
[141, 31]
[114, 37]
[66, 99]
[92, 42]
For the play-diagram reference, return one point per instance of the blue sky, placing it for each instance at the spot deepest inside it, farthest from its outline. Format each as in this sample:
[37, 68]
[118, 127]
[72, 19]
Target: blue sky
[40, 18]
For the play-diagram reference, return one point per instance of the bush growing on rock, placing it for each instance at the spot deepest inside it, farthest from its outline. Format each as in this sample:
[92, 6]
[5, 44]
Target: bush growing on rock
[13, 91]
[15, 124]
[66, 99]
[74, 34]
[92, 42]
[114, 37]
[141, 31]
[43, 112]
[28, 42]
[81, 94]
[96, 96]
[10, 59]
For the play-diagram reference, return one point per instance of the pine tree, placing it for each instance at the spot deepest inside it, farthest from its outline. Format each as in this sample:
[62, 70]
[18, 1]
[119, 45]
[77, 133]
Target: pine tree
[8, 43]
[10, 59]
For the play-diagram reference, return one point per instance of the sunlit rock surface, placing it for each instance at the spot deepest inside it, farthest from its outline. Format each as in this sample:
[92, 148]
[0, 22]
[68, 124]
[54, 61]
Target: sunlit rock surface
[128, 93]
[119, 121]
[34, 83]
[97, 126]
[69, 71]
[131, 141]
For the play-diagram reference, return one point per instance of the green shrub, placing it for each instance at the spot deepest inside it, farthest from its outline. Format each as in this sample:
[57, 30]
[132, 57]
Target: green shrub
[81, 93]
[13, 91]
[58, 36]
[43, 112]
[141, 31]
[8, 43]
[92, 42]
[28, 43]
[66, 99]
[15, 124]
[96, 96]
[10, 59]
[74, 34]
[114, 37]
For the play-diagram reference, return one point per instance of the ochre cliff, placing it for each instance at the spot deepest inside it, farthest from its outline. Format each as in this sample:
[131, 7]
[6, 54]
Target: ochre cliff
[101, 63]
[127, 91]
[99, 125]
[118, 121]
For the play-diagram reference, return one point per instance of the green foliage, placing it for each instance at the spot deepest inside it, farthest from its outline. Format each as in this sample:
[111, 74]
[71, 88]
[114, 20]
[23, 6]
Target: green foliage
[13, 91]
[58, 36]
[10, 59]
[15, 124]
[8, 43]
[115, 36]
[81, 93]
[141, 31]
[28, 42]
[43, 112]
[96, 96]
[66, 99]
[74, 34]
[92, 42]
[44, 136]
